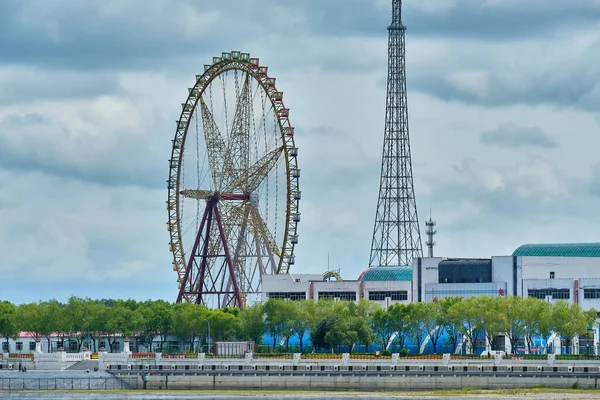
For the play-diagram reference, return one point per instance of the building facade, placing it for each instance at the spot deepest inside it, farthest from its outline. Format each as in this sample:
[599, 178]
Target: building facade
[549, 272]
[384, 285]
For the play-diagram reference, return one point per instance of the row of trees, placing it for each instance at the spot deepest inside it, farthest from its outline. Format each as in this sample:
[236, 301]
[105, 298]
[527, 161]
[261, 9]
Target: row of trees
[148, 322]
[330, 325]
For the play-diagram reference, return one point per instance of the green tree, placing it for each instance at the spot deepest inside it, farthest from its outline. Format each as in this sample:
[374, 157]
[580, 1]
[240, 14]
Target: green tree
[40, 319]
[416, 323]
[81, 318]
[189, 322]
[570, 320]
[383, 326]
[515, 322]
[251, 323]
[365, 310]
[300, 320]
[399, 320]
[120, 321]
[317, 334]
[29, 319]
[536, 315]
[157, 321]
[434, 322]
[290, 314]
[466, 315]
[8, 322]
[348, 325]
[450, 324]
[223, 324]
[276, 323]
[53, 319]
[492, 312]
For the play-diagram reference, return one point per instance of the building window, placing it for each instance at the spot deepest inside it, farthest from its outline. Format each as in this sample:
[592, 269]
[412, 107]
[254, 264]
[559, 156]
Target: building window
[349, 296]
[591, 293]
[396, 295]
[399, 295]
[31, 346]
[116, 346]
[19, 346]
[287, 295]
[556, 294]
[377, 296]
[5, 347]
[551, 274]
[465, 271]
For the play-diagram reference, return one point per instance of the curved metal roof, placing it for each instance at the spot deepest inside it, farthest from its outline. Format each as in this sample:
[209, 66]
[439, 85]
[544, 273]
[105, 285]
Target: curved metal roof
[400, 273]
[559, 250]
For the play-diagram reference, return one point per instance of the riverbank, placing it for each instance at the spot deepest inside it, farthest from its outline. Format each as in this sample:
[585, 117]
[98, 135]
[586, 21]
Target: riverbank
[513, 394]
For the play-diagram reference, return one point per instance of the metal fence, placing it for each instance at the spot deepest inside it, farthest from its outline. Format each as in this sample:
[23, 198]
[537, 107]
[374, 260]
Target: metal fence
[92, 383]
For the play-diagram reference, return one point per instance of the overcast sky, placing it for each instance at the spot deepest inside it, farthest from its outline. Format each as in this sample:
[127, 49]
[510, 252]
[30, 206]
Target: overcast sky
[503, 97]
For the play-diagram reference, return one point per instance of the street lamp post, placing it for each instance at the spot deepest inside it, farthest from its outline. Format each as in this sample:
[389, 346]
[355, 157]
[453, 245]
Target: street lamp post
[208, 322]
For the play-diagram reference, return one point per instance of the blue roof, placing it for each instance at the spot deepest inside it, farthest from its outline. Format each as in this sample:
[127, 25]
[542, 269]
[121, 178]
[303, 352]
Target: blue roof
[400, 273]
[559, 250]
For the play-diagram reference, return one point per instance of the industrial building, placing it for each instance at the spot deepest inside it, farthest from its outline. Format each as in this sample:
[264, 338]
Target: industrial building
[546, 271]
[384, 285]
[550, 272]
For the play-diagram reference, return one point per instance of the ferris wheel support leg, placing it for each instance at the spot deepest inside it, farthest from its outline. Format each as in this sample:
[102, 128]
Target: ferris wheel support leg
[211, 209]
[228, 257]
[188, 268]
[236, 256]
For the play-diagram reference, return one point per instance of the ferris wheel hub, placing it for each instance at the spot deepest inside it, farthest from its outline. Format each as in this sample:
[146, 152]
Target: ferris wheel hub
[253, 198]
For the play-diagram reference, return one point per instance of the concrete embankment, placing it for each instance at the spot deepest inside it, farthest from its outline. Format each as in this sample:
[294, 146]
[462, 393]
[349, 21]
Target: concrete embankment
[362, 378]
[358, 381]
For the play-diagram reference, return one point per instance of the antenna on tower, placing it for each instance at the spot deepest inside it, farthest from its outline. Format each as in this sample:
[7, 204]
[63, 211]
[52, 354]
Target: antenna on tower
[430, 233]
[396, 234]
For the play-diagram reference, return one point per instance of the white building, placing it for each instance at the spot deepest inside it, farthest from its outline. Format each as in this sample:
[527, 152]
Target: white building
[25, 343]
[546, 271]
[385, 285]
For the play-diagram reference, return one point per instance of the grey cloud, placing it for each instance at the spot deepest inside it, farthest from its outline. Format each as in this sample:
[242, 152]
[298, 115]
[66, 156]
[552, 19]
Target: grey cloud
[126, 35]
[32, 143]
[79, 230]
[498, 20]
[25, 85]
[160, 34]
[496, 78]
[471, 212]
[26, 119]
[473, 19]
[509, 193]
[512, 136]
[595, 181]
[574, 90]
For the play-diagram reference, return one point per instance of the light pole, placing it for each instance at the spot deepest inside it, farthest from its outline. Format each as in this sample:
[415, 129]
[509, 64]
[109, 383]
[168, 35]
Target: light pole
[208, 322]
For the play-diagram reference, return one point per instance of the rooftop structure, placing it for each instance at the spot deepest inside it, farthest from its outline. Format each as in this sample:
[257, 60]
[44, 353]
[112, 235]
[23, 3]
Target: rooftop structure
[559, 250]
[399, 273]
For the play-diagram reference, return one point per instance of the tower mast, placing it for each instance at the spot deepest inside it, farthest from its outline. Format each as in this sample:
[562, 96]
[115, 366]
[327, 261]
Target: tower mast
[430, 234]
[396, 234]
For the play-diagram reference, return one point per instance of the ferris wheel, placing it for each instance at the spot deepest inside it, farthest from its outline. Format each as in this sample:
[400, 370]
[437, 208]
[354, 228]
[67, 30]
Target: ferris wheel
[233, 184]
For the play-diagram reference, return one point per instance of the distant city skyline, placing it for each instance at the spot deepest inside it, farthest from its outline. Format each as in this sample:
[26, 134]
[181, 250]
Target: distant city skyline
[503, 102]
